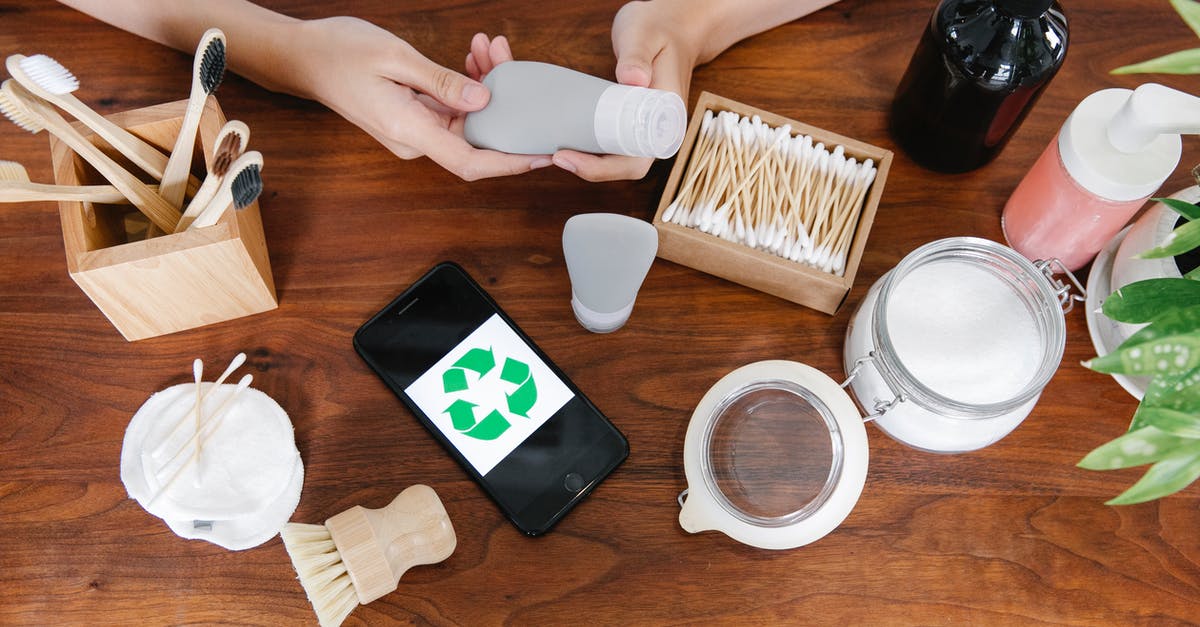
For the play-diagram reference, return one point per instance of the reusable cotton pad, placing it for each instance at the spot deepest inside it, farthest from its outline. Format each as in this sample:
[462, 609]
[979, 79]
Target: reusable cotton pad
[242, 486]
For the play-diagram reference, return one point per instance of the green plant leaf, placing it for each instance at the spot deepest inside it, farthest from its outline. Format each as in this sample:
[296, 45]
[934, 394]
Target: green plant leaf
[1174, 422]
[1179, 392]
[1182, 207]
[1182, 62]
[1165, 355]
[1177, 242]
[1190, 12]
[1144, 446]
[1142, 301]
[1175, 321]
[1168, 476]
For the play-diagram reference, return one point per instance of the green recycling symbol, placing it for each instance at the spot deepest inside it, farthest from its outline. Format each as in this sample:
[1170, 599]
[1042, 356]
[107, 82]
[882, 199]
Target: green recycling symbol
[494, 424]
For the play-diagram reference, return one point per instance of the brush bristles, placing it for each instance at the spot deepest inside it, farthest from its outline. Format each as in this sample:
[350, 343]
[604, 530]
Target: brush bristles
[247, 185]
[13, 171]
[17, 113]
[212, 66]
[321, 571]
[49, 74]
[230, 148]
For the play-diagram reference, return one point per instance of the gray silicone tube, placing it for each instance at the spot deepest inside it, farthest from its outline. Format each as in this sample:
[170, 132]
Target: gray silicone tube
[539, 108]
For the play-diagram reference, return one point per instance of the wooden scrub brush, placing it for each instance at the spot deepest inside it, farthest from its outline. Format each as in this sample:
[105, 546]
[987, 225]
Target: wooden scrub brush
[360, 554]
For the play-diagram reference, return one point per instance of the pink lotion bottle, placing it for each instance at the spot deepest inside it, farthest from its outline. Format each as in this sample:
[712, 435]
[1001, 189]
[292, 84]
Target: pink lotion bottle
[1113, 152]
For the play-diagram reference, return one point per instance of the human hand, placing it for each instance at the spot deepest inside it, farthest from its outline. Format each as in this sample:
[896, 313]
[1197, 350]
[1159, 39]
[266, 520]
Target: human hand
[410, 104]
[655, 47]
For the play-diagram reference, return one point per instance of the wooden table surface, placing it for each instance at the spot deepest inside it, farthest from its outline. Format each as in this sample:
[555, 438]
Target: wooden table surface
[1012, 534]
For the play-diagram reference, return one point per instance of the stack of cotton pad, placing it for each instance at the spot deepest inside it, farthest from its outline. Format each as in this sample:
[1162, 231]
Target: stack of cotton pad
[242, 486]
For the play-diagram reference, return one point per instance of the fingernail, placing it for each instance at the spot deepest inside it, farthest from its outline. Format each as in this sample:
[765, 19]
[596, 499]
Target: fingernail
[474, 94]
[564, 164]
[540, 163]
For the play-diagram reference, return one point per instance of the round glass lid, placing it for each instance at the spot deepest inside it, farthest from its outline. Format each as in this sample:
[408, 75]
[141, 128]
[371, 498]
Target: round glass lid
[775, 456]
[774, 452]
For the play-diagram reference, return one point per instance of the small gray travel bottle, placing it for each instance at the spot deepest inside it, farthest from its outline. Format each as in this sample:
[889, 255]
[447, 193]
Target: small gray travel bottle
[539, 108]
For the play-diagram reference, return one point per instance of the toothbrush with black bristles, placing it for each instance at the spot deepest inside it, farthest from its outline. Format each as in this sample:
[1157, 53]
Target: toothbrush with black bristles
[240, 187]
[51, 81]
[231, 142]
[208, 68]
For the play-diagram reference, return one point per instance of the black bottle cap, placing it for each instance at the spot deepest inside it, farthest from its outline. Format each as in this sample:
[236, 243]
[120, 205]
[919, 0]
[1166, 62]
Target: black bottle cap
[1025, 8]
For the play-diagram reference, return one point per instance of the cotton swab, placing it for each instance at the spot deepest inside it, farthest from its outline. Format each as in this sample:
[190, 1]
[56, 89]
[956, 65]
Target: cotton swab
[198, 439]
[762, 187]
[198, 372]
[234, 364]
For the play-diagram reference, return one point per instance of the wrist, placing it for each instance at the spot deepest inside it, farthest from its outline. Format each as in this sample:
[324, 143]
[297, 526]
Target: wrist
[699, 25]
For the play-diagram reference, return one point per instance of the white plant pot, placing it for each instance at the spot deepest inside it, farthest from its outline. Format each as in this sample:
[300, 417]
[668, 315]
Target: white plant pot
[1117, 266]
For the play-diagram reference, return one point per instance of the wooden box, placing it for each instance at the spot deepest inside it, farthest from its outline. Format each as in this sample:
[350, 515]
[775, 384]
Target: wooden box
[793, 281]
[171, 282]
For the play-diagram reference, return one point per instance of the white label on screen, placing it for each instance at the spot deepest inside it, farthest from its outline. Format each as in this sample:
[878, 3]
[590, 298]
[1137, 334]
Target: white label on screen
[488, 394]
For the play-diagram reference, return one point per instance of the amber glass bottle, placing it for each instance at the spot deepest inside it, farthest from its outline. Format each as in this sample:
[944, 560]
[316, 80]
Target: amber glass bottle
[977, 70]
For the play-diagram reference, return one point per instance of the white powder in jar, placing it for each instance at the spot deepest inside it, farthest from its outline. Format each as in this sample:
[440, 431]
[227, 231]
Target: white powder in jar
[963, 332]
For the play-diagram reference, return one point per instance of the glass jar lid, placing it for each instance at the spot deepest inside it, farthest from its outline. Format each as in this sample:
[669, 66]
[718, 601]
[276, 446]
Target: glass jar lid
[775, 456]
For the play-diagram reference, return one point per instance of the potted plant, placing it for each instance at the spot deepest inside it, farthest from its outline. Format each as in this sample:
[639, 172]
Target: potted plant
[1165, 430]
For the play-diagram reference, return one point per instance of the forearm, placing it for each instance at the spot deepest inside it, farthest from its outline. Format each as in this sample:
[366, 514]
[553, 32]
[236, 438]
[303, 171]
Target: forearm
[715, 25]
[258, 39]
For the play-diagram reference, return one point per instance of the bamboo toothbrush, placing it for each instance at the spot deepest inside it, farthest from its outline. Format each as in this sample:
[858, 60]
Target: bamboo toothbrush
[16, 187]
[360, 554]
[239, 188]
[230, 144]
[33, 114]
[208, 68]
[49, 80]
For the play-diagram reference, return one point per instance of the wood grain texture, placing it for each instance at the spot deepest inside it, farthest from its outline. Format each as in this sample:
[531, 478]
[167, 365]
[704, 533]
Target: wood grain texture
[1012, 534]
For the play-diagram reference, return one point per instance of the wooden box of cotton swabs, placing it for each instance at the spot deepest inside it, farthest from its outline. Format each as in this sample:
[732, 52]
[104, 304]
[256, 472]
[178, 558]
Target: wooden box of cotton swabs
[770, 203]
[175, 281]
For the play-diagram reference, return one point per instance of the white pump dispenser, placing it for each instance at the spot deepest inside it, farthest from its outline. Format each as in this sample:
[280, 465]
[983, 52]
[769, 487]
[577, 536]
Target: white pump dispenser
[1113, 152]
[1123, 144]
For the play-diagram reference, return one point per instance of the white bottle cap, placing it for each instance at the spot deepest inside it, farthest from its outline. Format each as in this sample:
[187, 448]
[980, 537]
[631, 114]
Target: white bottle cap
[598, 321]
[1121, 144]
[640, 122]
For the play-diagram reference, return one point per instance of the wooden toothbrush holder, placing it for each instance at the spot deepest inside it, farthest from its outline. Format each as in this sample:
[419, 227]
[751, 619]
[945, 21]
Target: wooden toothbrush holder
[763, 271]
[168, 283]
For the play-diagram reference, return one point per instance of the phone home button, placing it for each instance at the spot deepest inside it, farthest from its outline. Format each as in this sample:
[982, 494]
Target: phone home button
[573, 482]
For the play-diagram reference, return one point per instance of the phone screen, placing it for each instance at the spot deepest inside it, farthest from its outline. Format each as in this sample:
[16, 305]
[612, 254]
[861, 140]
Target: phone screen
[503, 410]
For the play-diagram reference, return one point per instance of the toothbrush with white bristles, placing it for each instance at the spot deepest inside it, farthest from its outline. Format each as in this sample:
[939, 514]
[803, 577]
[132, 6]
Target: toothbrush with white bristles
[46, 78]
[208, 69]
[34, 114]
[231, 142]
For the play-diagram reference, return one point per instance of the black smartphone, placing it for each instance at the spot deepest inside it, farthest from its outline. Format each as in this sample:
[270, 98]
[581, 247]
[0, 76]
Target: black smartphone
[510, 417]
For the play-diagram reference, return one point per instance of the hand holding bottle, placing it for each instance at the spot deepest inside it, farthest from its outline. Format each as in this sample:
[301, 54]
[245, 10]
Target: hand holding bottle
[653, 49]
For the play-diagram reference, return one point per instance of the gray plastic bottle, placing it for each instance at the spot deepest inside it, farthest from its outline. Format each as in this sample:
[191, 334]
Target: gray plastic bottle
[538, 108]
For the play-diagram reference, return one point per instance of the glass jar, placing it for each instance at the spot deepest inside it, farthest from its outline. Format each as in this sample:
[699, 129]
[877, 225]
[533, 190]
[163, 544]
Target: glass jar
[775, 456]
[951, 349]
